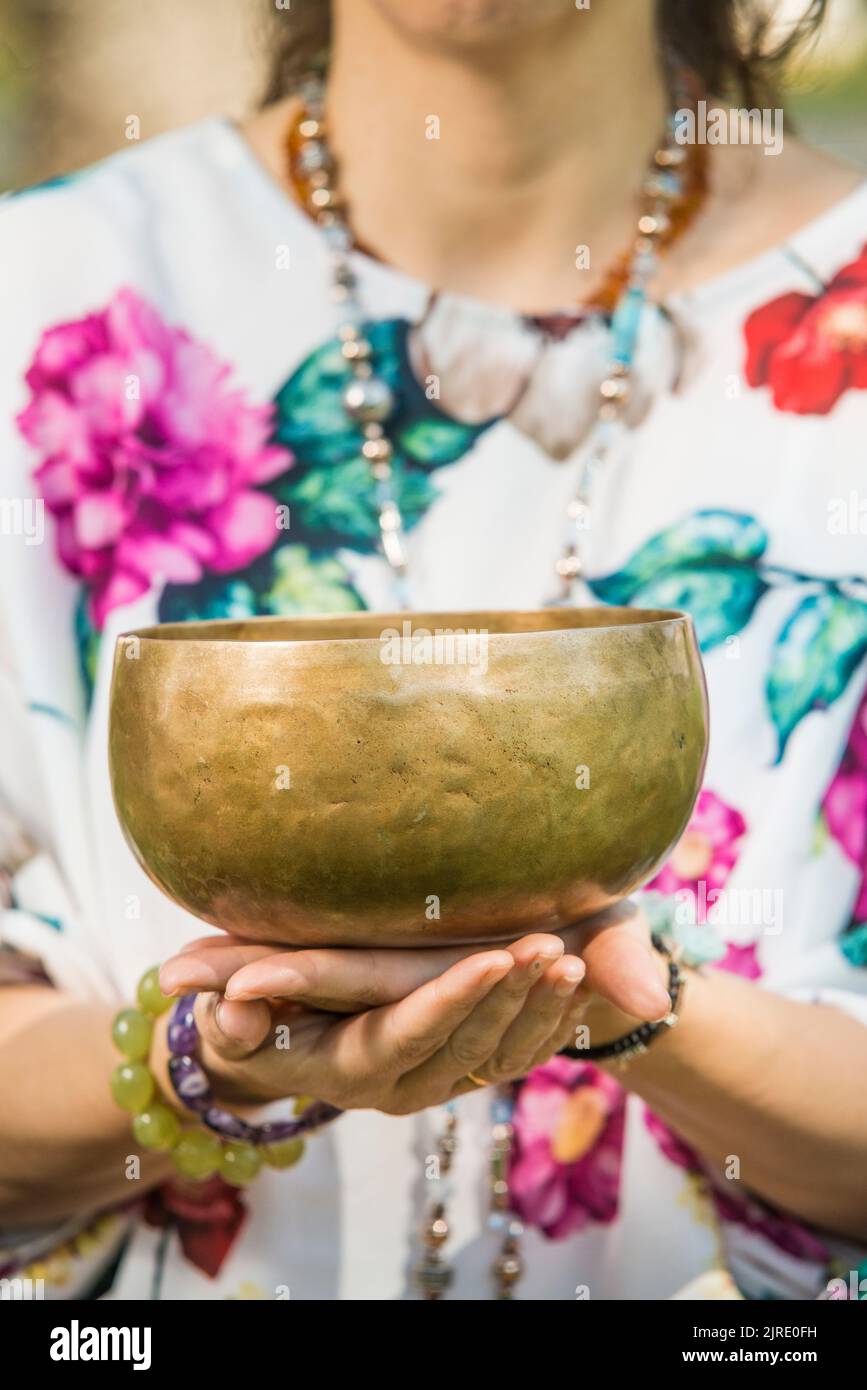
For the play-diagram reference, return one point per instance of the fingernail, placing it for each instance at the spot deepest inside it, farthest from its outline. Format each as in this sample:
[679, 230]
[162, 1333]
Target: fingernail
[654, 999]
[544, 958]
[498, 968]
[570, 980]
[222, 1017]
[166, 978]
[178, 976]
[253, 986]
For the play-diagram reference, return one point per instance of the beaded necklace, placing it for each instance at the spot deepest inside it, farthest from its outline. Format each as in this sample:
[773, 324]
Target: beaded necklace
[671, 194]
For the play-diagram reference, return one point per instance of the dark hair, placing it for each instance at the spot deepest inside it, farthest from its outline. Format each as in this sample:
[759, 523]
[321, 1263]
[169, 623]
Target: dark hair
[725, 44]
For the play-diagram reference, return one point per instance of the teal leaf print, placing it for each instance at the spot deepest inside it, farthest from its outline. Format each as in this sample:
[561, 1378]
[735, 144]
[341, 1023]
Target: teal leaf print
[436, 440]
[52, 712]
[720, 600]
[853, 944]
[87, 640]
[56, 181]
[305, 583]
[814, 656]
[290, 580]
[706, 564]
[312, 422]
[710, 537]
[337, 503]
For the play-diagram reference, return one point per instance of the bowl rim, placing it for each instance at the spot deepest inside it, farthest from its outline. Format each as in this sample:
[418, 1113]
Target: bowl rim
[206, 631]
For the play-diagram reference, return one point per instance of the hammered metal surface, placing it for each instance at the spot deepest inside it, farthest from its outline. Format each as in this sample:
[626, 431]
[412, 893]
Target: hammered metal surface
[277, 779]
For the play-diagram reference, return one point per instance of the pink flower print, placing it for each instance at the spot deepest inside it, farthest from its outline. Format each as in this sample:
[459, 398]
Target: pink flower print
[706, 851]
[736, 1206]
[150, 460]
[845, 805]
[568, 1126]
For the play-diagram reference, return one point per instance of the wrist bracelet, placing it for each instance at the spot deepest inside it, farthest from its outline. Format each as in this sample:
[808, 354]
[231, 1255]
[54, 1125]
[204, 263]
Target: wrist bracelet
[192, 1088]
[227, 1144]
[635, 1043]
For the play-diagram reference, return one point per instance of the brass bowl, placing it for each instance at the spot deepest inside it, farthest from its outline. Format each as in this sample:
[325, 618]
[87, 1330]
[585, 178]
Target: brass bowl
[280, 779]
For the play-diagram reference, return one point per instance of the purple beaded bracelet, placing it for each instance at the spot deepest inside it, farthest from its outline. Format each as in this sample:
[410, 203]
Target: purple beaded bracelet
[193, 1089]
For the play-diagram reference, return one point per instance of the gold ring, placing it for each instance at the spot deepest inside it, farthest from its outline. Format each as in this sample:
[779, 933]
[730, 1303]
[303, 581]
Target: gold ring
[477, 1080]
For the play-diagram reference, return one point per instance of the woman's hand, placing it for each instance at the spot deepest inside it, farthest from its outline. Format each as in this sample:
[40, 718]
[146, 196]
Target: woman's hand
[622, 970]
[495, 1013]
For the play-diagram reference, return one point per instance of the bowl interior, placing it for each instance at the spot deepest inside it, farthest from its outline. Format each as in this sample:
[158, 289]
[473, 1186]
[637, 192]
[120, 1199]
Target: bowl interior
[343, 627]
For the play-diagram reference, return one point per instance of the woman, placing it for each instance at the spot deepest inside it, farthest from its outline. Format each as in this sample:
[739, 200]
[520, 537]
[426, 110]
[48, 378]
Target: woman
[493, 162]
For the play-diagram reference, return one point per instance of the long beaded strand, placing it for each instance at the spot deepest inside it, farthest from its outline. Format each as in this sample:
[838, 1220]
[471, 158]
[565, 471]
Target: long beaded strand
[671, 195]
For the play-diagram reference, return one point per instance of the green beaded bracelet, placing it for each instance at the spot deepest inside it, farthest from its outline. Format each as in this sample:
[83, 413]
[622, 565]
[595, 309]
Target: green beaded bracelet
[196, 1153]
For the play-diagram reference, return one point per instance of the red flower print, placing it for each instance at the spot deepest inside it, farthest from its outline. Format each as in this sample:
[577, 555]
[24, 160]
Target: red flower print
[206, 1215]
[809, 349]
[568, 1126]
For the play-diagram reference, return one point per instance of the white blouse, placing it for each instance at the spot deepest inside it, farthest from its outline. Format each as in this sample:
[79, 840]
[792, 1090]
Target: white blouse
[737, 494]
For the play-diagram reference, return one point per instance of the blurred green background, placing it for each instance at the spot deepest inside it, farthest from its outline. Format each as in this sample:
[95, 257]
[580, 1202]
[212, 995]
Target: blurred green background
[73, 71]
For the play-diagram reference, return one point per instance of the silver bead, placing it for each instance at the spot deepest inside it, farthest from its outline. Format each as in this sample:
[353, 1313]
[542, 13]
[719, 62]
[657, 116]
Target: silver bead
[337, 236]
[343, 274]
[569, 567]
[377, 450]
[390, 520]
[653, 224]
[356, 349]
[324, 198]
[313, 156]
[370, 399]
[579, 513]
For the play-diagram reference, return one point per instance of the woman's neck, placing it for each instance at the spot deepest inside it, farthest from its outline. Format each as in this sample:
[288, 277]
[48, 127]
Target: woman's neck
[544, 134]
[483, 165]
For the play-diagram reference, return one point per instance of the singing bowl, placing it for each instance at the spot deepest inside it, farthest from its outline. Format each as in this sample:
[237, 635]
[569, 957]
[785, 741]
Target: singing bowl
[288, 780]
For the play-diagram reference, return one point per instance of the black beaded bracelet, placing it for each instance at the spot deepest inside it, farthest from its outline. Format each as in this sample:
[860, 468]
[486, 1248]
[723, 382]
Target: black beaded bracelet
[633, 1044]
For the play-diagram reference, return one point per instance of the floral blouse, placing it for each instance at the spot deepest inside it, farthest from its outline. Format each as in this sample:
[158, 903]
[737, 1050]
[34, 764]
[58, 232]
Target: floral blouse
[170, 376]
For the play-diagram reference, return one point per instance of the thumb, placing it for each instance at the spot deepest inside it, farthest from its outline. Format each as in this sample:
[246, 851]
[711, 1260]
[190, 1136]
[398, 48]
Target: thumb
[234, 1030]
[622, 966]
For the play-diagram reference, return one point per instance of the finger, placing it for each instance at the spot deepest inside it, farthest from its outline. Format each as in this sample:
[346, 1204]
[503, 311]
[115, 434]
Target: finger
[470, 1045]
[543, 1013]
[344, 980]
[340, 979]
[202, 966]
[203, 943]
[234, 1031]
[565, 1035]
[390, 1040]
[623, 968]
